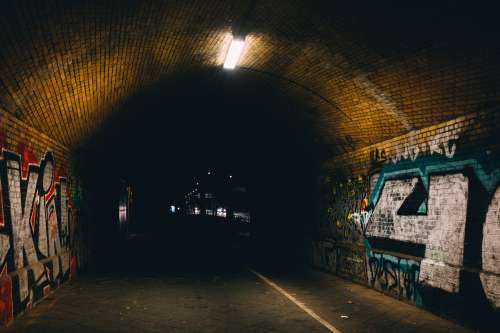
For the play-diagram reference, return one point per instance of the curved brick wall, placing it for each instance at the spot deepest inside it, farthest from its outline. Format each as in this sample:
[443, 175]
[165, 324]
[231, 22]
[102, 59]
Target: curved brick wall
[401, 100]
[366, 74]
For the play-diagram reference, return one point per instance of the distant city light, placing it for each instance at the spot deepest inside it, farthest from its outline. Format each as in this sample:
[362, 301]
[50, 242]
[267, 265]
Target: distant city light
[221, 212]
[242, 216]
[209, 173]
[230, 176]
[122, 212]
[172, 209]
[234, 53]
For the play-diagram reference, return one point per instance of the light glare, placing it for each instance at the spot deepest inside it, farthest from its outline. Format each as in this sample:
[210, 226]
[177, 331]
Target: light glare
[234, 53]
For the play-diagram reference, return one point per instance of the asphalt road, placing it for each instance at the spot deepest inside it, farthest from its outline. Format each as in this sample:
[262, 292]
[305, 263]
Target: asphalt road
[193, 278]
[230, 301]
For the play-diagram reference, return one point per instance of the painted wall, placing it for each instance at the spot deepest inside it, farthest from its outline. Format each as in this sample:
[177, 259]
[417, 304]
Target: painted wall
[40, 247]
[418, 217]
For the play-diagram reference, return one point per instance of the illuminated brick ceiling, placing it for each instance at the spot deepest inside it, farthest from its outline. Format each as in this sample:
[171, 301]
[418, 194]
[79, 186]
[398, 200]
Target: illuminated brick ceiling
[64, 68]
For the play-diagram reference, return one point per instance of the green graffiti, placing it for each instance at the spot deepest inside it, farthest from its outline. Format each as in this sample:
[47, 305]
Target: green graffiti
[485, 168]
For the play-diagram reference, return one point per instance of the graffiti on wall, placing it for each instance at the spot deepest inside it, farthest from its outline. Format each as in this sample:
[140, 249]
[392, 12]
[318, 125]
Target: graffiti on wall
[429, 218]
[430, 229]
[344, 261]
[348, 202]
[36, 230]
[490, 276]
[324, 256]
[425, 210]
[440, 144]
[345, 221]
[397, 276]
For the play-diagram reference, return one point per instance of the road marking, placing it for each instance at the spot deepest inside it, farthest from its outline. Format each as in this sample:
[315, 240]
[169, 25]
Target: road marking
[301, 305]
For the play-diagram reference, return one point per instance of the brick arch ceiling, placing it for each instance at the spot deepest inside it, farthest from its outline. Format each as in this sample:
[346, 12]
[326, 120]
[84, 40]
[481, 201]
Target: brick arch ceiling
[65, 67]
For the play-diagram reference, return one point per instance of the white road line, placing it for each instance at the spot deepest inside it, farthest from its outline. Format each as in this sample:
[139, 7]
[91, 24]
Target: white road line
[301, 305]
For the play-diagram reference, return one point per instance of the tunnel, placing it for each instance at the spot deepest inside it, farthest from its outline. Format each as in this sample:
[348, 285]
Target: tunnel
[249, 166]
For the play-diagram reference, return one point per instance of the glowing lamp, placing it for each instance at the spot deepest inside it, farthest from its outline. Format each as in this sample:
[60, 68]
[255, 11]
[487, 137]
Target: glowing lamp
[234, 53]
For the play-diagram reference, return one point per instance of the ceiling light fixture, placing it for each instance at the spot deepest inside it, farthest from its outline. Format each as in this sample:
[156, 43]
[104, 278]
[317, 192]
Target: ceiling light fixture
[234, 52]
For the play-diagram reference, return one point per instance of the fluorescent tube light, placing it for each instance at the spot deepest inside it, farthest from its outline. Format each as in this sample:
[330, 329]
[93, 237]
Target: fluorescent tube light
[234, 53]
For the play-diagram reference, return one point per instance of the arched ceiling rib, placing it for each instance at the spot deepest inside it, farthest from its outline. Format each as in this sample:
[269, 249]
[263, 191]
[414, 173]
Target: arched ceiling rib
[65, 67]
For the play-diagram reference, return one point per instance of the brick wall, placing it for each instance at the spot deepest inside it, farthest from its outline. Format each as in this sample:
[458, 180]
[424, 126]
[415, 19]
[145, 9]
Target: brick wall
[40, 245]
[66, 66]
[417, 216]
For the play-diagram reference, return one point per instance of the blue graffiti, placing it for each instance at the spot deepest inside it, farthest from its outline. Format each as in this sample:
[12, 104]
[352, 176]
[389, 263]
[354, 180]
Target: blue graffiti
[485, 168]
[399, 274]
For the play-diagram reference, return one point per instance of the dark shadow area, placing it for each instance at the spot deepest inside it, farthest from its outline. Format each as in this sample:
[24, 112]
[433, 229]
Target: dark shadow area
[166, 137]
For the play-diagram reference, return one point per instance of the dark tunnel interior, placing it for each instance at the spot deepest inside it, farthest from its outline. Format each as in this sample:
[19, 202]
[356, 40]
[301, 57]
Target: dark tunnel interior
[173, 134]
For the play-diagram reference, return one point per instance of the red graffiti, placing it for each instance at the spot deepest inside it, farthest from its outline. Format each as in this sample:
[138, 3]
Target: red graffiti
[6, 313]
[33, 216]
[27, 158]
[2, 220]
[73, 267]
[3, 140]
[46, 290]
[53, 225]
[2, 145]
[364, 204]
[58, 174]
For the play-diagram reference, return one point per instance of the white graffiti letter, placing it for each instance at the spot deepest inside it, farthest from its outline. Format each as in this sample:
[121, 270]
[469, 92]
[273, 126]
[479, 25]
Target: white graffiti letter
[4, 239]
[21, 212]
[450, 152]
[42, 228]
[442, 230]
[490, 277]
[53, 228]
[434, 147]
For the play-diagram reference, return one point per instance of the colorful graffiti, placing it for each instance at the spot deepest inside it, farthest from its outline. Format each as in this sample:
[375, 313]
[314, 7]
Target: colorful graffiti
[396, 276]
[426, 222]
[36, 230]
[349, 198]
[424, 209]
[441, 230]
[430, 229]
